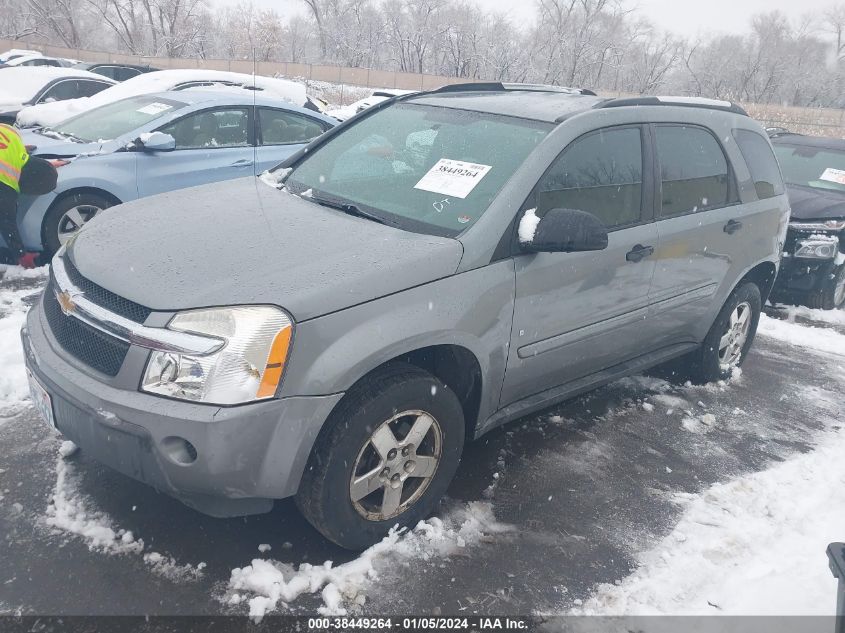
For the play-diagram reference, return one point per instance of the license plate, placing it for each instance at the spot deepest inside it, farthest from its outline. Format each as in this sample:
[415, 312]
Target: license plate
[41, 399]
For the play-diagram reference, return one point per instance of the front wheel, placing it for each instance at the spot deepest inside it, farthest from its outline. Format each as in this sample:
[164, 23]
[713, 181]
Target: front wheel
[68, 215]
[832, 294]
[727, 343]
[386, 457]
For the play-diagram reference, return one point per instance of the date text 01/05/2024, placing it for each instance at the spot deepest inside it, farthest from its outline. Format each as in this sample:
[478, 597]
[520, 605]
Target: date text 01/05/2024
[422, 623]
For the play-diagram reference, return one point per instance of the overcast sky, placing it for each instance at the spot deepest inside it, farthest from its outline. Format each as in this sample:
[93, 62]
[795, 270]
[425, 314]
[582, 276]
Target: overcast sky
[686, 17]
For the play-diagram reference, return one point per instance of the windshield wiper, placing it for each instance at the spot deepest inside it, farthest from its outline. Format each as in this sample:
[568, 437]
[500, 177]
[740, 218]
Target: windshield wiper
[51, 133]
[348, 208]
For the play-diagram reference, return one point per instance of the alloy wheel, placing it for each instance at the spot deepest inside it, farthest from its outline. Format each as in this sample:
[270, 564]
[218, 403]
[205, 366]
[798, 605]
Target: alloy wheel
[396, 465]
[733, 340]
[74, 219]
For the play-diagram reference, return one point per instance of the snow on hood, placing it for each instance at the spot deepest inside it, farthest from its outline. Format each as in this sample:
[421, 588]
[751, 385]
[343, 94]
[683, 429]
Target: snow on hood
[240, 241]
[58, 147]
[51, 114]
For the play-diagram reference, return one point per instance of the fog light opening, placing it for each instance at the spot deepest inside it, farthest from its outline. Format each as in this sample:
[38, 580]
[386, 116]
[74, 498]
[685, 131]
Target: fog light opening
[179, 450]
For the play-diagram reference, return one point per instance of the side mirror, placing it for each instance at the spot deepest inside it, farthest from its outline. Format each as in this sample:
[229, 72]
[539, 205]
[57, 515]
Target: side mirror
[561, 231]
[155, 142]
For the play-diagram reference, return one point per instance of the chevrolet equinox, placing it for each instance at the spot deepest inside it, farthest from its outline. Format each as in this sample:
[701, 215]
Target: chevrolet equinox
[438, 265]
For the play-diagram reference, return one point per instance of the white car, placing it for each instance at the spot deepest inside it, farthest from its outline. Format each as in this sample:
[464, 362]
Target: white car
[51, 114]
[21, 87]
[15, 53]
[37, 59]
[345, 112]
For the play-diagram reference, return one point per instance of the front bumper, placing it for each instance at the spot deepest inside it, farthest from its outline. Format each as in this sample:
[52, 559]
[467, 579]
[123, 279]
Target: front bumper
[801, 275]
[246, 456]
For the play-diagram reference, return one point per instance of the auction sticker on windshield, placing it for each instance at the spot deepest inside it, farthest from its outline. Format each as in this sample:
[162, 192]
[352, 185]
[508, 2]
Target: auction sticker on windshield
[833, 175]
[452, 177]
[154, 108]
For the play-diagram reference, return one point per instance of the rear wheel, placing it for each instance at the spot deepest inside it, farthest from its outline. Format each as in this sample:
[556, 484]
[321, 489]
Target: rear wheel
[727, 343]
[68, 215]
[832, 294]
[386, 457]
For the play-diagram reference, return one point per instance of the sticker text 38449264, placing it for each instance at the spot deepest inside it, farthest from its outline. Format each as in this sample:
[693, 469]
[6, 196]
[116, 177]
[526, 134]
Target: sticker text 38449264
[452, 177]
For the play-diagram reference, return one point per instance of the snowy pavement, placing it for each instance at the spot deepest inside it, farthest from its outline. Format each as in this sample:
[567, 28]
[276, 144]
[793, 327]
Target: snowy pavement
[640, 498]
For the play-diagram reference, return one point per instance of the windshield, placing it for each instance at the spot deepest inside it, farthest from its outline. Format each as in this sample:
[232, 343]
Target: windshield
[116, 119]
[812, 166]
[423, 168]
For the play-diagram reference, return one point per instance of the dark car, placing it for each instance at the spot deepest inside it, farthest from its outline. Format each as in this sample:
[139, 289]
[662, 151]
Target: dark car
[118, 72]
[813, 267]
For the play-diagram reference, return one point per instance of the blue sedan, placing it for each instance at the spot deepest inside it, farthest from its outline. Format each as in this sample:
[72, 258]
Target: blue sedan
[154, 143]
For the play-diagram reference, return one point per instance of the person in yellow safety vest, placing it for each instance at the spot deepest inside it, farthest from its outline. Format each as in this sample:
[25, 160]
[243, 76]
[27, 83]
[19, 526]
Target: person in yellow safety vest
[20, 173]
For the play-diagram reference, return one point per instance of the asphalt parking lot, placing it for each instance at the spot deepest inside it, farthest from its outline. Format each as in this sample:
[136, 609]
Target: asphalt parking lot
[576, 492]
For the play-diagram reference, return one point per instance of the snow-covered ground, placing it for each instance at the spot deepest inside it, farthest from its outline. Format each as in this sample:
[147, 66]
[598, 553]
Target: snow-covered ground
[751, 544]
[754, 545]
[265, 584]
[13, 384]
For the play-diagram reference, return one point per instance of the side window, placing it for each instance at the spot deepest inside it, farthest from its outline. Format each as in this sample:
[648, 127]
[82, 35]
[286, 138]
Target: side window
[693, 169]
[60, 91]
[761, 162]
[122, 74]
[281, 128]
[601, 173]
[107, 71]
[88, 88]
[210, 128]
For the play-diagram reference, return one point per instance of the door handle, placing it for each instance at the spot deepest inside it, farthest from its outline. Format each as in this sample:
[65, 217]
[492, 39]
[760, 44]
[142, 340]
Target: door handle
[241, 163]
[639, 253]
[732, 227]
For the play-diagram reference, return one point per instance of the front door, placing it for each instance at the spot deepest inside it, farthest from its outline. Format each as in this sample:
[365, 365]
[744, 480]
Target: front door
[211, 145]
[578, 313]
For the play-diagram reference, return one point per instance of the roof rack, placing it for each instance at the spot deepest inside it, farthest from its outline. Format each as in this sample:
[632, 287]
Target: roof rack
[774, 132]
[498, 86]
[687, 102]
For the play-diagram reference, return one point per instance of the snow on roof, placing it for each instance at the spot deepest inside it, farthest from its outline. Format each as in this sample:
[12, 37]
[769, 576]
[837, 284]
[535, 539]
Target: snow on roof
[19, 85]
[14, 52]
[50, 114]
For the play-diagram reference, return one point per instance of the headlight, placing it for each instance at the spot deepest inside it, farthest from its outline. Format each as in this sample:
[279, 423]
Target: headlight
[817, 248]
[249, 366]
[826, 225]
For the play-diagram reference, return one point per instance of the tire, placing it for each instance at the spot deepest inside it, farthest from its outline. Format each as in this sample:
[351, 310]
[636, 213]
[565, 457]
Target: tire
[87, 204]
[707, 363]
[832, 294]
[345, 448]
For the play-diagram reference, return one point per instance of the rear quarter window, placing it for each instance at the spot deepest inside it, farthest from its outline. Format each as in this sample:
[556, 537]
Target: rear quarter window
[761, 162]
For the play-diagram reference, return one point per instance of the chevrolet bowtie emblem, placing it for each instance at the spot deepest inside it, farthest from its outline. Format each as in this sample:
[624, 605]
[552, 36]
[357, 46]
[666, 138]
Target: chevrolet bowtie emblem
[66, 303]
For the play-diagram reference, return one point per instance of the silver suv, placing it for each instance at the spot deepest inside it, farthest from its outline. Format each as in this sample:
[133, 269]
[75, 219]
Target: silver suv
[438, 265]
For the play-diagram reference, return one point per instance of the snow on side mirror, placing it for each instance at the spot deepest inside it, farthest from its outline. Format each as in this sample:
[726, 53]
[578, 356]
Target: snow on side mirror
[156, 142]
[561, 231]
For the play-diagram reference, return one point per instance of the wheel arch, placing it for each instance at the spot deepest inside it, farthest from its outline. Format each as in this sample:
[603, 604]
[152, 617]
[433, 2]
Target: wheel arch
[455, 365]
[64, 195]
[763, 276]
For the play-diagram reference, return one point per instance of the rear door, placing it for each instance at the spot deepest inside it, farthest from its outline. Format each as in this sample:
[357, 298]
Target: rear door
[211, 145]
[701, 231]
[578, 313]
[280, 133]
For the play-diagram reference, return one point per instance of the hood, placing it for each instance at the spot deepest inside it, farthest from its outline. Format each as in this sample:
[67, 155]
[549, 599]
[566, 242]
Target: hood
[245, 242]
[814, 204]
[46, 146]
